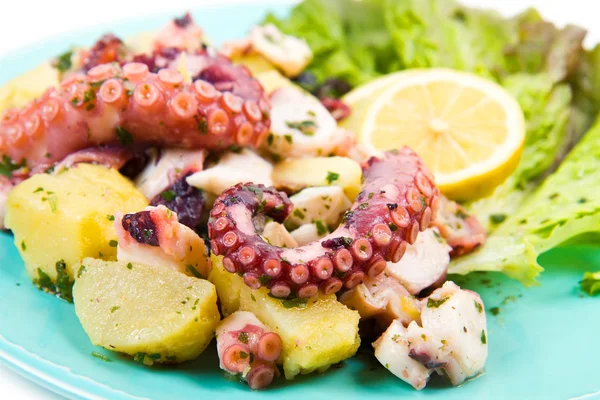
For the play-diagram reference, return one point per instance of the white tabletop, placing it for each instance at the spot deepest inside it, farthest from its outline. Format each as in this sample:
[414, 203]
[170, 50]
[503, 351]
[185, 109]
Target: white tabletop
[20, 26]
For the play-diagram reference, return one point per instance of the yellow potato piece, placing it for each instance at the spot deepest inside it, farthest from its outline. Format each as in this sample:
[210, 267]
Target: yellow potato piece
[255, 62]
[68, 216]
[322, 333]
[273, 80]
[24, 88]
[154, 314]
[297, 174]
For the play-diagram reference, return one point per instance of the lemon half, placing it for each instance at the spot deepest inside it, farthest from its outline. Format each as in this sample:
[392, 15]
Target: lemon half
[468, 130]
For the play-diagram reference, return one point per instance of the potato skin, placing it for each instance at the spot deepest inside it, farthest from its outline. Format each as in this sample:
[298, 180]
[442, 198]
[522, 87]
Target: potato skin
[315, 335]
[154, 314]
[67, 217]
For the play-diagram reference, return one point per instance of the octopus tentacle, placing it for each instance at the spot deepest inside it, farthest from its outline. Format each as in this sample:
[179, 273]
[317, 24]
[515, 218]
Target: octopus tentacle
[124, 105]
[463, 232]
[155, 237]
[248, 348]
[396, 203]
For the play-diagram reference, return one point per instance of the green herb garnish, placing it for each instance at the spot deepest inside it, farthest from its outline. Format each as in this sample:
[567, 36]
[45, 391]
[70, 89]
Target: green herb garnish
[168, 195]
[295, 303]
[124, 137]
[63, 61]
[100, 356]
[321, 229]
[431, 303]
[497, 218]
[194, 271]
[332, 177]
[307, 127]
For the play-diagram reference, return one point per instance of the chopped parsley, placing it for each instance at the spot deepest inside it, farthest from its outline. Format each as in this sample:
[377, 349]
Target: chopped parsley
[43, 281]
[288, 138]
[264, 279]
[40, 189]
[295, 303]
[495, 310]
[253, 298]
[393, 226]
[63, 62]
[202, 125]
[431, 303]
[497, 218]
[23, 245]
[113, 243]
[307, 127]
[478, 306]
[129, 266]
[110, 217]
[298, 213]
[80, 271]
[270, 139]
[363, 206]
[100, 356]
[168, 195]
[321, 229]
[243, 337]
[483, 337]
[332, 177]
[63, 285]
[124, 137]
[194, 271]
[113, 309]
[7, 166]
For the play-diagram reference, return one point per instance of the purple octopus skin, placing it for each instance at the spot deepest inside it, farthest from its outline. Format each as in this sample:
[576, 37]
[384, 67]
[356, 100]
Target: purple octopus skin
[187, 201]
[398, 200]
[141, 227]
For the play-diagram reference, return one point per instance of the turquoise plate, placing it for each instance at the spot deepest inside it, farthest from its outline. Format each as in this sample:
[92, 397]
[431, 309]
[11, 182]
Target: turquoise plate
[542, 343]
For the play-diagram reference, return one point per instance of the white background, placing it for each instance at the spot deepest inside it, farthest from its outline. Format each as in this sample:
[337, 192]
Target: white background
[27, 21]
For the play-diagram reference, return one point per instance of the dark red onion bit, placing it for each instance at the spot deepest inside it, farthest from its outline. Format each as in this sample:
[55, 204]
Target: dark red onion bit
[185, 200]
[159, 59]
[107, 49]
[338, 109]
[141, 227]
[183, 21]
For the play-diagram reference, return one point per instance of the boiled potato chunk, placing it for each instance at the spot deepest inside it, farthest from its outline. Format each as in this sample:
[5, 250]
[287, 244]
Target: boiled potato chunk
[255, 62]
[296, 174]
[273, 80]
[154, 314]
[24, 88]
[315, 334]
[68, 216]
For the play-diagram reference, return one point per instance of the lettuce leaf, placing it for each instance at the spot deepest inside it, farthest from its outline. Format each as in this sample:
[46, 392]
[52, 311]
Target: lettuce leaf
[432, 33]
[562, 208]
[546, 107]
[348, 38]
[591, 283]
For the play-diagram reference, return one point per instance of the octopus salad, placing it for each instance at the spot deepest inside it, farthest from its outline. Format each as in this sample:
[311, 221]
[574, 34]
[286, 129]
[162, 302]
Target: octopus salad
[228, 192]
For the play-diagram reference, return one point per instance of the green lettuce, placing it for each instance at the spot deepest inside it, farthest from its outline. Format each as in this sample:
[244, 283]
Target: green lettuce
[562, 208]
[348, 39]
[546, 107]
[591, 283]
